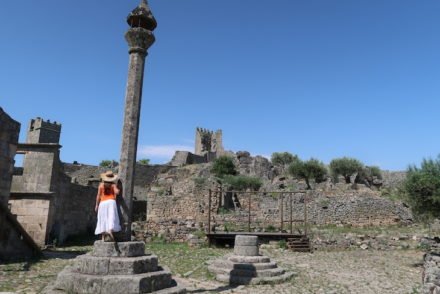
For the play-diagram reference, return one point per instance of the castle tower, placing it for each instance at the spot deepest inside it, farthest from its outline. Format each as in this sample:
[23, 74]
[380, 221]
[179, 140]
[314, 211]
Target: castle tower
[41, 131]
[208, 142]
[139, 38]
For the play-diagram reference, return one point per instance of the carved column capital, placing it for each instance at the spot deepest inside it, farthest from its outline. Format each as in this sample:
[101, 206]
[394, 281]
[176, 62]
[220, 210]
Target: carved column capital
[139, 40]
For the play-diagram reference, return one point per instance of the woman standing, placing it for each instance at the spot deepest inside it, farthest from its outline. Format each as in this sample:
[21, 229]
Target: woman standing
[108, 218]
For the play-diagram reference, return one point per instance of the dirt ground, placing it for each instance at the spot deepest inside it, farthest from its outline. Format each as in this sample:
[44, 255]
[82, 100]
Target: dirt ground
[358, 271]
[351, 271]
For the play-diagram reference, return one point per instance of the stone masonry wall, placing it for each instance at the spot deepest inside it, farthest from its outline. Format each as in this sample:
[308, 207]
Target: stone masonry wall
[15, 243]
[32, 214]
[173, 213]
[75, 212]
[431, 274]
[9, 131]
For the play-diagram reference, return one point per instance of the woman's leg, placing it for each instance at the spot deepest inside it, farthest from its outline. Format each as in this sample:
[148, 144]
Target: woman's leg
[110, 233]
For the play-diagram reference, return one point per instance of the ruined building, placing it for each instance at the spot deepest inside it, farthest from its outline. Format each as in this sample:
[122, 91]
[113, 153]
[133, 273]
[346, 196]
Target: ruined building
[208, 142]
[43, 198]
[14, 240]
[208, 146]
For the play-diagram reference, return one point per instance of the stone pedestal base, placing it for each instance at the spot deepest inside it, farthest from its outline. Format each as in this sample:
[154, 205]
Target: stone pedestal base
[116, 268]
[246, 266]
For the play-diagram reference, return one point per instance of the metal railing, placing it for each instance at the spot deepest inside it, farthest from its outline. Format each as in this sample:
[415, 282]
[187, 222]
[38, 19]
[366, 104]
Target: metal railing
[249, 194]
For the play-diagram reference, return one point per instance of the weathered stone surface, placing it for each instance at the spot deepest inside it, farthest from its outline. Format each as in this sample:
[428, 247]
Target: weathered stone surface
[249, 259]
[73, 282]
[431, 273]
[93, 265]
[119, 249]
[135, 265]
[243, 240]
[242, 250]
[246, 266]
[239, 280]
[226, 264]
[142, 283]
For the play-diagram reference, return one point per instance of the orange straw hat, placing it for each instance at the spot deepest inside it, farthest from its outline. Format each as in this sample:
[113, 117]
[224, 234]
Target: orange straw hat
[109, 176]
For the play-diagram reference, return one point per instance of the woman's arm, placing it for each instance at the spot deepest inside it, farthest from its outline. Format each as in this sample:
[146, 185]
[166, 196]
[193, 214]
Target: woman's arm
[98, 197]
[115, 188]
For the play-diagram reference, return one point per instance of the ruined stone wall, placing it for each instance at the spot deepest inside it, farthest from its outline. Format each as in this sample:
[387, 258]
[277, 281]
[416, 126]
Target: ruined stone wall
[9, 131]
[15, 243]
[182, 158]
[169, 213]
[33, 215]
[75, 212]
[431, 273]
[40, 171]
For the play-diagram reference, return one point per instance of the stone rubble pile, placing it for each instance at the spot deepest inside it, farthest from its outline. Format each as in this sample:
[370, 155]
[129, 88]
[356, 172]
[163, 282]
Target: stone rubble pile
[116, 267]
[246, 266]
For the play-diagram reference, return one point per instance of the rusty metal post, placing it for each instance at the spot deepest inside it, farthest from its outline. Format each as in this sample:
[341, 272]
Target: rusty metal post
[249, 216]
[305, 213]
[282, 211]
[291, 214]
[209, 212]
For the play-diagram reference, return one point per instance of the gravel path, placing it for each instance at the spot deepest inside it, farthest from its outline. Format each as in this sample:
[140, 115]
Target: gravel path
[358, 271]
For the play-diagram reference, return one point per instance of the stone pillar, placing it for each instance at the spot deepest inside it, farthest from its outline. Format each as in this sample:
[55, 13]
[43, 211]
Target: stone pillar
[139, 38]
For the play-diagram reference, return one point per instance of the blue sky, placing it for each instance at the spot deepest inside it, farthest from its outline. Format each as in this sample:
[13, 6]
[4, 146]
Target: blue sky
[318, 78]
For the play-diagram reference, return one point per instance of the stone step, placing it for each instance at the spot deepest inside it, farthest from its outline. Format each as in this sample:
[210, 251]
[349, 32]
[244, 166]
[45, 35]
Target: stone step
[70, 281]
[118, 249]
[237, 280]
[247, 266]
[93, 265]
[271, 272]
[249, 259]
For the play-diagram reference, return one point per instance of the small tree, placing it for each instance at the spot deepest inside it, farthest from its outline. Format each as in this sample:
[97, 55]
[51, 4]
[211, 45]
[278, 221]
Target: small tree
[345, 167]
[242, 183]
[283, 158]
[223, 165]
[108, 163]
[311, 169]
[422, 188]
[144, 161]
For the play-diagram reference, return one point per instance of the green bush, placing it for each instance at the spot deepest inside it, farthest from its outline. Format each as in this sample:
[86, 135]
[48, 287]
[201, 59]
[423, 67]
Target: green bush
[345, 167]
[144, 161]
[367, 174]
[307, 170]
[242, 183]
[108, 163]
[422, 188]
[283, 158]
[282, 244]
[270, 228]
[223, 165]
[199, 182]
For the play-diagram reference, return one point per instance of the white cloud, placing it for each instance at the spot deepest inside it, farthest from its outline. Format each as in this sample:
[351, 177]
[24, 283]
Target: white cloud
[162, 151]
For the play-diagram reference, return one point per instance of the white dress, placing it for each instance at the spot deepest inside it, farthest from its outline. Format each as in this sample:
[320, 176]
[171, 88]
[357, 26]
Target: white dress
[108, 218]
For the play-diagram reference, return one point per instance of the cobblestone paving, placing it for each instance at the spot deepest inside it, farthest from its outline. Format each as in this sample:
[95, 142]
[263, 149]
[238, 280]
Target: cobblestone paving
[354, 272]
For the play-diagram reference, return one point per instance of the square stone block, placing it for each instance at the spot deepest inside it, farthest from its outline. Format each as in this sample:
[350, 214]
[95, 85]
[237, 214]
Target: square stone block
[118, 249]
